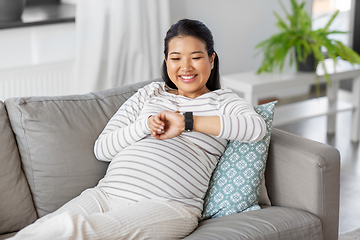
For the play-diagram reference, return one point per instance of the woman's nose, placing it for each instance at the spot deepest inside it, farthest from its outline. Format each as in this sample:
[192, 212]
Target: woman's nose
[186, 65]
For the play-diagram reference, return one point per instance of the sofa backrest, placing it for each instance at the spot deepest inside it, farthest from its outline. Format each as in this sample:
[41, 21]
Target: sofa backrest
[16, 205]
[55, 137]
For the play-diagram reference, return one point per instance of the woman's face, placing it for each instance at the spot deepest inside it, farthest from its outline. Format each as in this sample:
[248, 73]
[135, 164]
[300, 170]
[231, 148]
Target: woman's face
[188, 65]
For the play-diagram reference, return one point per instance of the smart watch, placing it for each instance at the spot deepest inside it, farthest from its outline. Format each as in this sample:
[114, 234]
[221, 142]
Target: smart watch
[188, 121]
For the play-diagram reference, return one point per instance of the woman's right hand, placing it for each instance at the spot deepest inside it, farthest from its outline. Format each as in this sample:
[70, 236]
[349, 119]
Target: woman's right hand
[155, 125]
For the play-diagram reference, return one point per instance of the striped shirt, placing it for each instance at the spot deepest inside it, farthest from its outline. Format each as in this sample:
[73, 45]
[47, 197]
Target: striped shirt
[177, 169]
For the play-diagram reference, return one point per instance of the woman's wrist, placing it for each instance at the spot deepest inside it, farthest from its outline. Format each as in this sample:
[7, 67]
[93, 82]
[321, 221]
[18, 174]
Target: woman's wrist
[148, 123]
[207, 124]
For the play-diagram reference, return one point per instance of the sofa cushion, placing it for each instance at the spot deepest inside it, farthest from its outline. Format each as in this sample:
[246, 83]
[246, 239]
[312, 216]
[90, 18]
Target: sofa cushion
[236, 182]
[16, 205]
[7, 235]
[268, 223]
[56, 138]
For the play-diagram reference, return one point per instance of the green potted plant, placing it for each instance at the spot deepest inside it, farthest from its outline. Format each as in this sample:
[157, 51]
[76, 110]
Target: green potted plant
[298, 39]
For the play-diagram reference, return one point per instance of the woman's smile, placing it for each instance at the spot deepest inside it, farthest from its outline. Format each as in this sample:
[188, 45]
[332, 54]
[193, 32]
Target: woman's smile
[188, 78]
[189, 65]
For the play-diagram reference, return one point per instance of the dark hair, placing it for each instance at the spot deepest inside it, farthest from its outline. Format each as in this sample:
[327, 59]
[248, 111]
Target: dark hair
[194, 28]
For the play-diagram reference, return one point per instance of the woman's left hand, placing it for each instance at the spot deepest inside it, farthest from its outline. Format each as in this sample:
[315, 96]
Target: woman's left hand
[174, 125]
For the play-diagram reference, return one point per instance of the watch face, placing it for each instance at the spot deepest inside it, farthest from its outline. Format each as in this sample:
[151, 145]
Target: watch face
[188, 121]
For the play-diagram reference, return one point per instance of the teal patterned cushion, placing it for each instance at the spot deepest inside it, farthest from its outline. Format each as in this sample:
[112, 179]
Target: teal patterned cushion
[236, 181]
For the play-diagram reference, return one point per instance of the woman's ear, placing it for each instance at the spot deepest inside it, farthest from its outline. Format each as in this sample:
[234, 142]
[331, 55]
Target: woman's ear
[212, 60]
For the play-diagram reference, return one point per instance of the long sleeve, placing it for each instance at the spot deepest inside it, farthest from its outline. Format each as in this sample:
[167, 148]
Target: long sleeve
[177, 169]
[124, 128]
[240, 121]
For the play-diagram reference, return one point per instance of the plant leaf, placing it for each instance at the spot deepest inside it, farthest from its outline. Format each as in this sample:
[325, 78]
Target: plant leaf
[330, 21]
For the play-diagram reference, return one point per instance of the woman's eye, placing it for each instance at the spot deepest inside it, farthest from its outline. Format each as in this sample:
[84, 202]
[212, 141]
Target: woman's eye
[175, 59]
[196, 58]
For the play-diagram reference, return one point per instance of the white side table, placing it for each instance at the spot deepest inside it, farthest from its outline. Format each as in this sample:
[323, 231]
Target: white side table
[253, 86]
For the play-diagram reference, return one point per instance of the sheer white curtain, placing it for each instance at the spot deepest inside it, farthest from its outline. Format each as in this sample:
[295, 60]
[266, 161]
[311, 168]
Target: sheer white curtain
[119, 42]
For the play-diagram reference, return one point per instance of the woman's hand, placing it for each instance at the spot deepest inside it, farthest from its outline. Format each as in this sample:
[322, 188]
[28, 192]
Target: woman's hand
[155, 125]
[166, 125]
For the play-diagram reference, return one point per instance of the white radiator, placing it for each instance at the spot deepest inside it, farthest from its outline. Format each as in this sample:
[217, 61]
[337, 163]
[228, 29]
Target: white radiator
[40, 80]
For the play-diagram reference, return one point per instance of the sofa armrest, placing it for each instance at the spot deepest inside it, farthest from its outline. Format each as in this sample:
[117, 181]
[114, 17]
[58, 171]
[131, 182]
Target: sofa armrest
[305, 174]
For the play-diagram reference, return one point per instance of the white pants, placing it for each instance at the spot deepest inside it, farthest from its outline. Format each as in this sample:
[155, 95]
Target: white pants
[94, 215]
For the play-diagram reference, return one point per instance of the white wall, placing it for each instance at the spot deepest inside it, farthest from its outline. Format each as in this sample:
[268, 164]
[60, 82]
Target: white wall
[29, 46]
[237, 26]
[37, 61]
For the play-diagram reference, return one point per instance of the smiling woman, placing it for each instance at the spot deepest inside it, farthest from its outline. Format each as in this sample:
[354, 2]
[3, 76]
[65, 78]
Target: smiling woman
[153, 188]
[189, 66]
[202, 48]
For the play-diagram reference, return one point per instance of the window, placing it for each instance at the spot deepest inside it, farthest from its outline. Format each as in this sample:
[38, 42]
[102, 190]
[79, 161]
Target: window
[324, 9]
[348, 20]
[356, 32]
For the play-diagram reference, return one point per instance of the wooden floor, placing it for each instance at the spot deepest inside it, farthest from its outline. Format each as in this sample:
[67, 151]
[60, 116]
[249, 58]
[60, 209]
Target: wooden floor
[315, 129]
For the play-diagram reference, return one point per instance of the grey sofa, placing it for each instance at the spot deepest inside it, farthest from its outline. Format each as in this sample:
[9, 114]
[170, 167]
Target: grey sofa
[46, 159]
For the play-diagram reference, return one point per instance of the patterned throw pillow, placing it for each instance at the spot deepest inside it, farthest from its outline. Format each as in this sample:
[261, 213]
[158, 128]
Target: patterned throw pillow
[236, 181]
